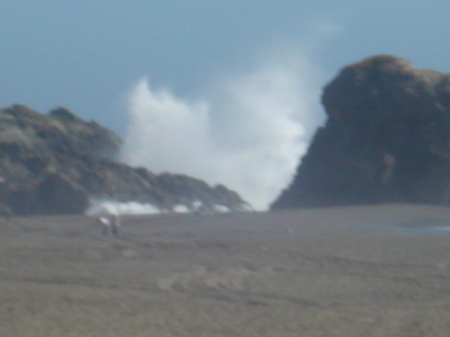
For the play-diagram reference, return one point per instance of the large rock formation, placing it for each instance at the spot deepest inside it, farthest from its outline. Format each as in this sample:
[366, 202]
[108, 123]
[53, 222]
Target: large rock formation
[386, 139]
[58, 164]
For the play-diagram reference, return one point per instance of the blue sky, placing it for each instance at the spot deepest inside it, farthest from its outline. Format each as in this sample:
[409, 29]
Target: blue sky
[242, 77]
[85, 54]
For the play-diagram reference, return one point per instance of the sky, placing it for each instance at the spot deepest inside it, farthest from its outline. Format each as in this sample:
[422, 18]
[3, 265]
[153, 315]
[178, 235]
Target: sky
[227, 91]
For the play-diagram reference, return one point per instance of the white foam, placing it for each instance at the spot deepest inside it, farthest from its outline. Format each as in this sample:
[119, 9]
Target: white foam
[221, 209]
[102, 207]
[181, 209]
[197, 205]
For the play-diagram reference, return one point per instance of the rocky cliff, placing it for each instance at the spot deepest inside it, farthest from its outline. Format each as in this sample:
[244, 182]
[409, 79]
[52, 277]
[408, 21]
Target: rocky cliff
[386, 139]
[58, 163]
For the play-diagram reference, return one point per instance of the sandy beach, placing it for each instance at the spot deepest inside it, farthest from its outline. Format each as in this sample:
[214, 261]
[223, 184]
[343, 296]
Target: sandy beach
[351, 271]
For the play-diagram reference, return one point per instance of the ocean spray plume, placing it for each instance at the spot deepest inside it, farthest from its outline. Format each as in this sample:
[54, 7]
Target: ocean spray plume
[248, 134]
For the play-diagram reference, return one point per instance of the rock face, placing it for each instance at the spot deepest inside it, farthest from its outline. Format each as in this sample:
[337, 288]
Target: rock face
[386, 139]
[58, 163]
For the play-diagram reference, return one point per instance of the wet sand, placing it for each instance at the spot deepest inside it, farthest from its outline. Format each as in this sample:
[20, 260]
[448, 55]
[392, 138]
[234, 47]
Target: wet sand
[324, 272]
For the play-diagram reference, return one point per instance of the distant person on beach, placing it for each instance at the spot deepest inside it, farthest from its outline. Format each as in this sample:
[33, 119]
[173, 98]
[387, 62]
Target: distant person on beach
[106, 224]
[116, 224]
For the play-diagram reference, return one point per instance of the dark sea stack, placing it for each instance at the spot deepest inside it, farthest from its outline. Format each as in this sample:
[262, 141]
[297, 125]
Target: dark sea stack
[58, 163]
[386, 139]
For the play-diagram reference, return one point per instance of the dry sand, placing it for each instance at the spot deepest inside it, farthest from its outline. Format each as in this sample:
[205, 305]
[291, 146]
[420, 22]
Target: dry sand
[324, 272]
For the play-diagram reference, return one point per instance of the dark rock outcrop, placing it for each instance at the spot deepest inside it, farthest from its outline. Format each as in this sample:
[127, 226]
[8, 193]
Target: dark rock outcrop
[386, 139]
[58, 163]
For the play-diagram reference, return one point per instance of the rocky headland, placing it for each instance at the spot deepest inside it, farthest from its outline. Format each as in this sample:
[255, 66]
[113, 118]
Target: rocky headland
[386, 139]
[58, 163]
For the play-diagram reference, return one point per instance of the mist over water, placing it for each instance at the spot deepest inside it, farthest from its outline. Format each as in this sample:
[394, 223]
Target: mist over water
[248, 131]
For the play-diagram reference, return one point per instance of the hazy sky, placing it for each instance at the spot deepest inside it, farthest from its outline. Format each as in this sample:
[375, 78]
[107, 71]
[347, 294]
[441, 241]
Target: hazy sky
[228, 63]
[85, 54]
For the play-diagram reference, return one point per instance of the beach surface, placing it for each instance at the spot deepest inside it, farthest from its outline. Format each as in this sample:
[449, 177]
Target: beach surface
[350, 271]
